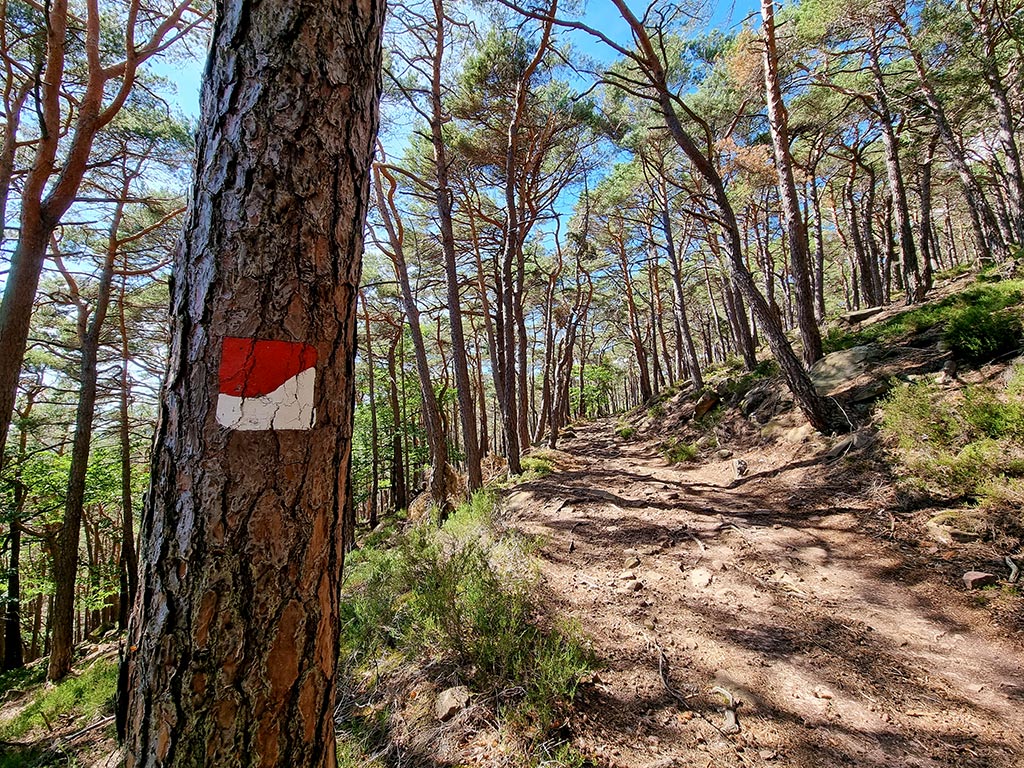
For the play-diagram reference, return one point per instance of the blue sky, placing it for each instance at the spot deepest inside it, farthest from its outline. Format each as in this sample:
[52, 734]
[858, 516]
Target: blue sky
[185, 75]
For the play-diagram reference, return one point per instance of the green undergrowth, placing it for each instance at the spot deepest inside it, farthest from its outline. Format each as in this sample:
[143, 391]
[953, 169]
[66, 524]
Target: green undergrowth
[537, 463]
[462, 598]
[625, 430]
[963, 446]
[82, 697]
[978, 324]
[677, 451]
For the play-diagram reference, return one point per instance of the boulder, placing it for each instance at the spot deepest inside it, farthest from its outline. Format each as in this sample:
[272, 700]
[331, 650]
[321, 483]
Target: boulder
[450, 702]
[860, 315]
[978, 579]
[707, 401]
[836, 369]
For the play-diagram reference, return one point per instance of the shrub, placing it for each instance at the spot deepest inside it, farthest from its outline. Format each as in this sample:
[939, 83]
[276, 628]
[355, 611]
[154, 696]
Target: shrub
[977, 335]
[464, 593]
[625, 431]
[536, 464]
[966, 445]
[678, 451]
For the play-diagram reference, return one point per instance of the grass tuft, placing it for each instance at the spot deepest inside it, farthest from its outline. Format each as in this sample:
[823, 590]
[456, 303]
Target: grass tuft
[677, 451]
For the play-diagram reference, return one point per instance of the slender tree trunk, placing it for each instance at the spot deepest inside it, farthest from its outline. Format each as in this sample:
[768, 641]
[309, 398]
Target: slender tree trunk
[692, 361]
[443, 201]
[913, 284]
[128, 560]
[799, 252]
[399, 488]
[233, 656]
[65, 558]
[374, 448]
[432, 422]
[13, 651]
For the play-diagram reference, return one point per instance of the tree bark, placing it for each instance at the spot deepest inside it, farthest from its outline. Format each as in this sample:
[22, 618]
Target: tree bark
[443, 201]
[799, 252]
[233, 646]
[433, 425]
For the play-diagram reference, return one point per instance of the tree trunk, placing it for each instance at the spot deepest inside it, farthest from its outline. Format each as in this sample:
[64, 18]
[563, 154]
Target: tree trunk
[233, 647]
[128, 559]
[913, 284]
[692, 361]
[65, 557]
[399, 488]
[799, 252]
[374, 449]
[442, 199]
[432, 423]
[13, 651]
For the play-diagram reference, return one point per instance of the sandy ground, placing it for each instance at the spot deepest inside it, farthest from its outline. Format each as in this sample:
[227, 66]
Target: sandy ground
[772, 591]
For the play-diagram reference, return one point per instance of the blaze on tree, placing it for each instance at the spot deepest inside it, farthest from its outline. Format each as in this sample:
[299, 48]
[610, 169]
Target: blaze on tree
[234, 641]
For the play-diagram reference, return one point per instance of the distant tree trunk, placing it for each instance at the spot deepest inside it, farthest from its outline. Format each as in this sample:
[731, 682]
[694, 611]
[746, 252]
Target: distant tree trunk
[399, 488]
[913, 284]
[233, 646]
[692, 361]
[639, 351]
[799, 252]
[926, 228]
[371, 511]
[13, 651]
[432, 422]
[128, 560]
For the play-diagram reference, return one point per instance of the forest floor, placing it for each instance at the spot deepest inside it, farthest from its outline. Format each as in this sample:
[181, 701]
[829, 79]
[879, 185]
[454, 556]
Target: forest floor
[839, 633]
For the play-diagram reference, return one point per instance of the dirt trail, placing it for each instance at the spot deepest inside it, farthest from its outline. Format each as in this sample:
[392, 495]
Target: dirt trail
[769, 589]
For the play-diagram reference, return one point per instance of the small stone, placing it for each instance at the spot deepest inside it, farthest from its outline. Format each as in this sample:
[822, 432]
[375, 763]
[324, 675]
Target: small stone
[450, 702]
[978, 579]
[823, 693]
[633, 562]
[700, 578]
[768, 754]
[627, 576]
[634, 586]
[739, 467]
[725, 453]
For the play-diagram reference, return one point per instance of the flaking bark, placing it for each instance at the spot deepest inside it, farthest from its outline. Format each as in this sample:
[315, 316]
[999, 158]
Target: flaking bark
[233, 646]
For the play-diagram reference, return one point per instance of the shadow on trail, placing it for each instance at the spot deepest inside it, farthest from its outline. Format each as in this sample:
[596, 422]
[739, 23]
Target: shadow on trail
[905, 707]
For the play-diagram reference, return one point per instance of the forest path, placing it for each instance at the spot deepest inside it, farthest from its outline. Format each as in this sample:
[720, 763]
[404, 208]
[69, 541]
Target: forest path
[839, 650]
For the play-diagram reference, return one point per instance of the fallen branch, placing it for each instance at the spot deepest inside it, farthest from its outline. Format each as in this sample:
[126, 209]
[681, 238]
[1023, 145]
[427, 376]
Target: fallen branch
[1014, 570]
[87, 729]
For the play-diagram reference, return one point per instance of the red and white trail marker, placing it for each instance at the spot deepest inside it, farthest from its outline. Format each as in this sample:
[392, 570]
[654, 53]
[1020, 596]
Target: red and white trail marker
[266, 385]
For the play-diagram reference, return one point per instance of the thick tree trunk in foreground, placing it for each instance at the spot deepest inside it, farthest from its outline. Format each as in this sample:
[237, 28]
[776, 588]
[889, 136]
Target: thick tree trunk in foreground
[233, 650]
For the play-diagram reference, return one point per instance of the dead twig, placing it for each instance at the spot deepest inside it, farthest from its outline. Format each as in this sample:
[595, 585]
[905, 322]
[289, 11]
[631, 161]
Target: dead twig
[1014, 570]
